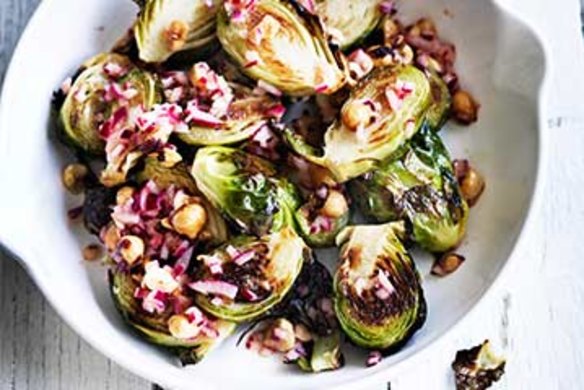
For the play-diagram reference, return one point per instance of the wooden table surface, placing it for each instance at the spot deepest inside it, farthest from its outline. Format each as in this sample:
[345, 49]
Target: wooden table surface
[536, 318]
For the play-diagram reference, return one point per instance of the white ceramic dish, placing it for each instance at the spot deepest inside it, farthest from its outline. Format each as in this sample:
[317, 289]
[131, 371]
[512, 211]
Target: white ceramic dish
[500, 59]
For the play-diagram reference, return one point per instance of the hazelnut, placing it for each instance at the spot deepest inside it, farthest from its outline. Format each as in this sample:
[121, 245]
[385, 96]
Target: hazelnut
[74, 176]
[464, 107]
[426, 28]
[159, 279]
[131, 248]
[92, 252]
[357, 114]
[472, 186]
[447, 264]
[302, 333]
[391, 29]
[111, 237]
[124, 195]
[189, 220]
[280, 336]
[181, 328]
[335, 205]
[175, 35]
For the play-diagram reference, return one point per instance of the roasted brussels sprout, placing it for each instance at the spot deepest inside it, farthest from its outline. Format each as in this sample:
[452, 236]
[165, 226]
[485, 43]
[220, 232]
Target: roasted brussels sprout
[477, 368]
[349, 21]
[280, 44]
[244, 188]
[179, 177]
[417, 184]
[165, 27]
[106, 84]
[379, 300]
[243, 279]
[323, 216]
[190, 335]
[384, 111]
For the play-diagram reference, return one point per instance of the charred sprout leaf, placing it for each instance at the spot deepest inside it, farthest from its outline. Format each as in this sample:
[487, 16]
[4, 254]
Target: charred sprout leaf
[244, 188]
[322, 217]
[440, 109]
[255, 275]
[246, 115]
[379, 300]
[477, 368]
[155, 327]
[165, 27]
[347, 21]
[97, 207]
[417, 184]
[90, 101]
[384, 111]
[178, 176]
[280, 44]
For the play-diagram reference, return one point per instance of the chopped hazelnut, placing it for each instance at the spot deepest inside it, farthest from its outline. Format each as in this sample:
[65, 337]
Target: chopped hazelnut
[280, 336]
[124, 194]
[357, 114]
[335, 205]
[472, 186]
[181, 328]
[131, 248]
[302, 333]
[92, 252]
[189, 220]
[447, 264]
[111, 237]
[464, 107]
[175, 35]
[74, 176]
[391, 29]
[427, 28]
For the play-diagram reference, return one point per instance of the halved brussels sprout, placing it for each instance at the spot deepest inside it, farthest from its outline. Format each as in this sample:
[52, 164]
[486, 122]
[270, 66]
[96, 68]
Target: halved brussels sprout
[178, 176]
[247, 113]
[154, 327]
[384, 111]
[349, 21]
[379, 300]
[439, 110]
[245, 278]
[244, 188]
[165, 27]
[322, 217]
[97, 93]
[279, 43]
[417, 184]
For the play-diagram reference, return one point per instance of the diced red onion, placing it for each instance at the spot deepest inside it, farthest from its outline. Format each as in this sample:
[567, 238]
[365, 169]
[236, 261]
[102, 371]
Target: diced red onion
[232, 251]
[249, 295]
[155, 302]
[114, 70]
[252, 58]
[269, 88]
[395, 103]
[215, 287]
[320, 88]
[322, 192]
[66, 85]
[276, 111]
[384, 282]
[195, 115]
[244, 257]
[183, 262]
[263, 136]
[374, 358]
[388, 7]
[195, 315]
[210, 332]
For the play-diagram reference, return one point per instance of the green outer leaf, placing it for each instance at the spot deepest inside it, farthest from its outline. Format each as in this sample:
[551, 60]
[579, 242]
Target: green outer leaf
[157, 15]
[78, 120]
[326, 353]
[291, 77]
[154, 328]
[287, 251]
[417, 184]
[345, 155]
[355, 20]
[406, 306]
[439, 110]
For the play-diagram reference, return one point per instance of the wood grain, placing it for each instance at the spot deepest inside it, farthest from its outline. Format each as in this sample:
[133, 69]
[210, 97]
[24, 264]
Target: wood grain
[534, 318]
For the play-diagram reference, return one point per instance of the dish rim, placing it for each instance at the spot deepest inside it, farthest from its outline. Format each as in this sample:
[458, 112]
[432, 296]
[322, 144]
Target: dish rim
[535, 202]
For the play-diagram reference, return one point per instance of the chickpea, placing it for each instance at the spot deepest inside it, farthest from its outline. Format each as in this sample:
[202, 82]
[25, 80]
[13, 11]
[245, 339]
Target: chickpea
[74, 176]
[335, 205]
[131, 248]
[189, 220]
[472, 186]
[464, 107]
[447, 264]
[175, 35]
[280, 336]
[92, 252]
[357, 114]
